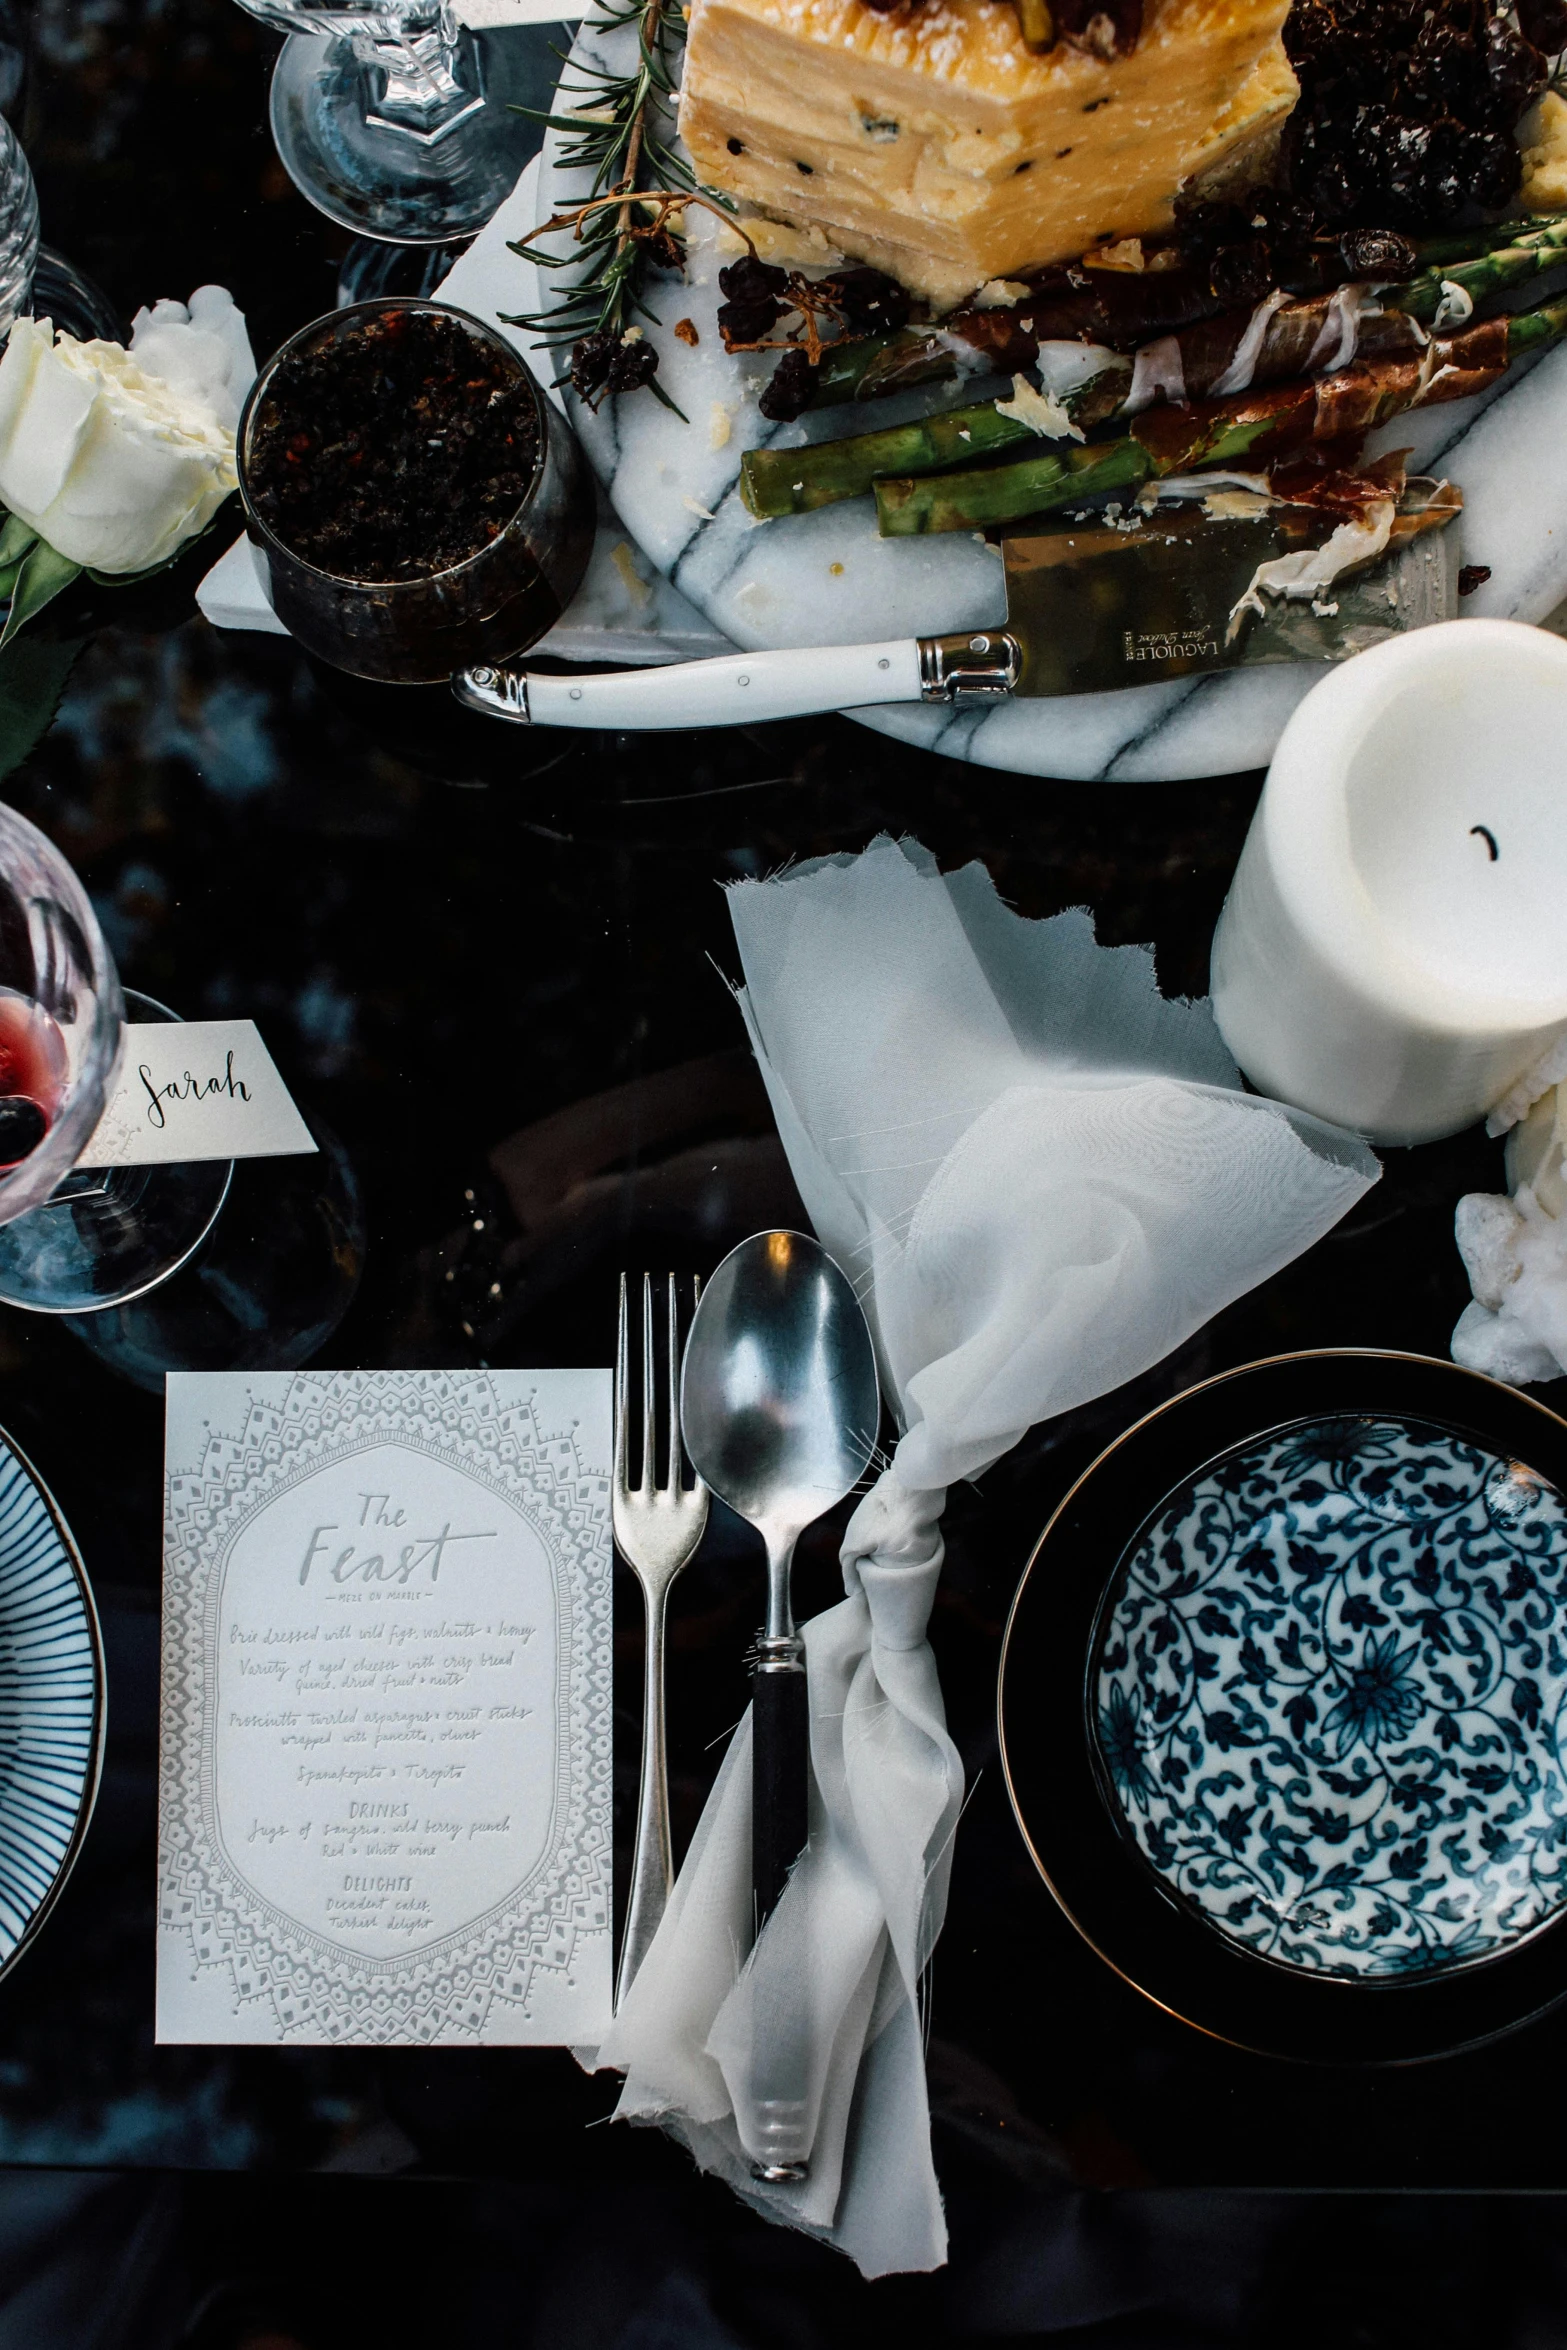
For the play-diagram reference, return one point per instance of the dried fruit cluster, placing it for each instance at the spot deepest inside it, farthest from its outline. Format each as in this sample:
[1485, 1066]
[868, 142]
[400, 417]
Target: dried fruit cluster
[1408, 107]
[759, 296]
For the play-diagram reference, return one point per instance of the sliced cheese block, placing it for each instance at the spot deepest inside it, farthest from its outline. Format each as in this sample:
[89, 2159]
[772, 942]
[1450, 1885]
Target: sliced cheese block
[934, 144]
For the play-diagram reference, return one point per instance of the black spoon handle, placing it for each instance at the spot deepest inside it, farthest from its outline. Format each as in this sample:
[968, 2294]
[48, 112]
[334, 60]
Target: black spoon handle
[780, 1766]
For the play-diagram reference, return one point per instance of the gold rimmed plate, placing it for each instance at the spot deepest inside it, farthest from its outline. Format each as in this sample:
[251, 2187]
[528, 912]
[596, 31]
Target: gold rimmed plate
[1283, 1706]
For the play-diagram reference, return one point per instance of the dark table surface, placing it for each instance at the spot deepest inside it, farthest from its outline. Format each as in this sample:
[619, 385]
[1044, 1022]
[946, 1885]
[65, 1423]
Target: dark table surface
[447, 939]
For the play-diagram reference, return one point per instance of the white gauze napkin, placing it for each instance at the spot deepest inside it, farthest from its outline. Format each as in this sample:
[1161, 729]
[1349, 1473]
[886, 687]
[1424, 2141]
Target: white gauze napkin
[1041, 1177]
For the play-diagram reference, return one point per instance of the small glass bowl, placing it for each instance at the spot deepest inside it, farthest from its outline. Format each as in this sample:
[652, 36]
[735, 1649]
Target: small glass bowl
[494, 604]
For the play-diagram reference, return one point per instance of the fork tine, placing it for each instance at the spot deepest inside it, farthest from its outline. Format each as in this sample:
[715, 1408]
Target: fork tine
[622, 1370]
[697, 1485]
[649, 1462]
[674, 1478]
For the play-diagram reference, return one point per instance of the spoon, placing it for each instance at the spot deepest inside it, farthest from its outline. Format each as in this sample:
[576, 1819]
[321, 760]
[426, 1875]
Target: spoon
[779, 1408]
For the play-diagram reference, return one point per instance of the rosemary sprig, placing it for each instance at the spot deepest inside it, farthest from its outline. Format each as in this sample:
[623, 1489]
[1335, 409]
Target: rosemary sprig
[616, 131]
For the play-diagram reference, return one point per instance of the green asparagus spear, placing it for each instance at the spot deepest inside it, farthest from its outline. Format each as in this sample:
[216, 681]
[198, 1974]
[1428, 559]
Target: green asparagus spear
[794, 481]
[1250, 429]
[1529, 251]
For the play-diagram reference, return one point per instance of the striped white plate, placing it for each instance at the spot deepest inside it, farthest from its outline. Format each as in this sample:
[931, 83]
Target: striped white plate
[51, 1701]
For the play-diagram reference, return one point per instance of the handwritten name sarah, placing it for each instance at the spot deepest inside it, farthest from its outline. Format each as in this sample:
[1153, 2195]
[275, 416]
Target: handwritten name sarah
[187, 1088]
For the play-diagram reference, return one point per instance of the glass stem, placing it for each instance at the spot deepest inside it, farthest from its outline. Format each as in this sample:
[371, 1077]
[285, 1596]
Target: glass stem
[423, 93]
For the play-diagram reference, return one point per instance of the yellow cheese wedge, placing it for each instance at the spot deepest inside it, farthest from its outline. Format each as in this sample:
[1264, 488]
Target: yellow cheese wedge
[1542, 135]
[932, 143]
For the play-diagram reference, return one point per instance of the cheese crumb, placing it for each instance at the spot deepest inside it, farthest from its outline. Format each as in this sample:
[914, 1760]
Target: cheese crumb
[1236, 505]
[1000, 294]
[720, 424]
[1039, 412]
[775, 240]
[1456, 305]
[1125, 253]
[626, 564]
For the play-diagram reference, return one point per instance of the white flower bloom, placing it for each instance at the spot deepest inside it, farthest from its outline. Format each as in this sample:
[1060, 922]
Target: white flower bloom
[116, 464]
[200, 347]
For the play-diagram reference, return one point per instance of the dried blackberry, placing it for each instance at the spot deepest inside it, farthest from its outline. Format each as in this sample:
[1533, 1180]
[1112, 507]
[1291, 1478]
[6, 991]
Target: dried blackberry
[1408, 108]
[664, 249]
[743, 323]
[590, 363]
[635, 363]
[752, 281]
[1514, 70]
[868, 301]
[1544, 23]
[1244, 250]
[788, 395]
[605, 364]
[1242, 272]
[757, 298]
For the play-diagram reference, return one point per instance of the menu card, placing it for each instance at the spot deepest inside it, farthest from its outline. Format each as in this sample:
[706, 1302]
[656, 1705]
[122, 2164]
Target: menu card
[385, 1773]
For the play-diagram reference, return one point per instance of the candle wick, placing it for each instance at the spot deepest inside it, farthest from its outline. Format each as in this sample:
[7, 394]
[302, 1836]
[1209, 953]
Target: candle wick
[1487, 835]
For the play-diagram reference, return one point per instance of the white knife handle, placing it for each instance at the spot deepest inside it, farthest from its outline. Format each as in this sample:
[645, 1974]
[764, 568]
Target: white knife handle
[735, 689]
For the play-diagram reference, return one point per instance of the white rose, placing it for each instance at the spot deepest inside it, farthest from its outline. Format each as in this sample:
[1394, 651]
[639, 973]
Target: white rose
[113, 464]
[200, 347]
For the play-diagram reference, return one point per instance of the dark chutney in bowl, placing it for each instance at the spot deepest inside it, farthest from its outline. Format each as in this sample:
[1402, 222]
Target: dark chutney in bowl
[420, 504]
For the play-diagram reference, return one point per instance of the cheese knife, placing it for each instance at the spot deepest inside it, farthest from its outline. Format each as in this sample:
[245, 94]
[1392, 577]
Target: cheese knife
[1091, 606]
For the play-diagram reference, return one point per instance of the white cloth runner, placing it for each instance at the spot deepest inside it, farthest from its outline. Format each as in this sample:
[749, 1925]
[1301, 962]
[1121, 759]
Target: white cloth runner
[1042, 1177]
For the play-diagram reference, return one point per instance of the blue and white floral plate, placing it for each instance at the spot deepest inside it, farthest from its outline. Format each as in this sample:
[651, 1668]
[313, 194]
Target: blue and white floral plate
[1284, 1706]
[51, 1702]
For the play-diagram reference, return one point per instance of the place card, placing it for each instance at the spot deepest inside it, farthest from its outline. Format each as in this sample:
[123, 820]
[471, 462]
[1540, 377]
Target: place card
[492, 16]
[385, 1772]
[196, 1089]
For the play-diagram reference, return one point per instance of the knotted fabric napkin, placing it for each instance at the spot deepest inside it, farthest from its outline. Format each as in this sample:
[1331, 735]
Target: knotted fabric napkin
[1041, 1177]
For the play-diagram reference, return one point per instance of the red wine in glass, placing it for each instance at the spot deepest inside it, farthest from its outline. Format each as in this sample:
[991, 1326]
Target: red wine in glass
[34, 1071]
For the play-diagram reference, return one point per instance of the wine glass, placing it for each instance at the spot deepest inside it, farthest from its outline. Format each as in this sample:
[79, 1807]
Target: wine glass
[392, 119]
[61, 1017]
[34, 278]
[74, 1238]
[18, 229]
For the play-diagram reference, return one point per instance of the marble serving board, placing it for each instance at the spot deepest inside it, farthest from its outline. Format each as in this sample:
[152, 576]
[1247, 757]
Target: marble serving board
[828, 578]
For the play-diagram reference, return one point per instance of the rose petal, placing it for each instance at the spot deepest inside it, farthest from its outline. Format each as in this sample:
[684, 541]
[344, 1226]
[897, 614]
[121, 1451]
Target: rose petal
[47, 423]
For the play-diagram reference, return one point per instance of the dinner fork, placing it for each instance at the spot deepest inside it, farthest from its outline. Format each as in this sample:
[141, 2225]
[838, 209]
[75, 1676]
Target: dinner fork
[657, 1529]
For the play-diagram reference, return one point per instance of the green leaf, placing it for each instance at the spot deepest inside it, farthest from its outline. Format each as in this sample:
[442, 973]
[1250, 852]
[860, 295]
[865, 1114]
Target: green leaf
[43, 575]
[33, 673]
[17, 539]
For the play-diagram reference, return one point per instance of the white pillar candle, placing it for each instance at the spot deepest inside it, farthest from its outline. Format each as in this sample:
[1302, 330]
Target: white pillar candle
[1393, 951]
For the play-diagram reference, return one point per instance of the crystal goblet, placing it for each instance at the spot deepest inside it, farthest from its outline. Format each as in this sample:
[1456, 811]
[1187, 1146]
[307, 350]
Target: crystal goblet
[74, 1238]
[392, 119]
[33, 277]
